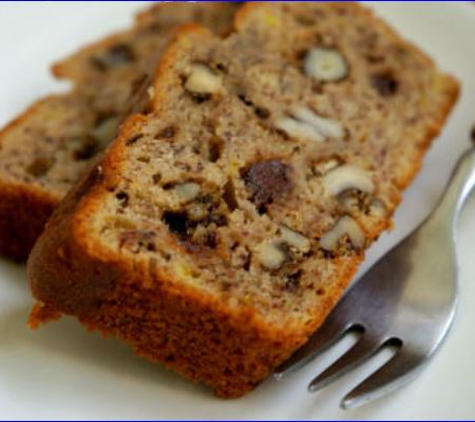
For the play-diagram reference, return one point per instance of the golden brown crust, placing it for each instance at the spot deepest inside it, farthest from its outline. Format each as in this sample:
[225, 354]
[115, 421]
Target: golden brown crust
[23, 214]
[231, 349]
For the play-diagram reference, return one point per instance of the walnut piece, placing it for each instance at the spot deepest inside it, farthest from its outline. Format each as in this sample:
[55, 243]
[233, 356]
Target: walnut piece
[345, 226]
[270, 255]
[347, 177]
[298, 130]
[187, 191]
[306, 125]
[325, 64]
[321, 168]
[328, 128]
[378, 209]
[197, 212]
[202, 80]
[295, 239]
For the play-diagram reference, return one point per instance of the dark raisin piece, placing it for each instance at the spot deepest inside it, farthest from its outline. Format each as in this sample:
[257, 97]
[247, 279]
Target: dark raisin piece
[268, 181]
[321, 291]
[219, 219]
[123, 198]
[115, 56]
[221, 67]
[262, 113]
[229, 196]
[210, 240]
[88, 149]
[215, 149]
[156, 178]
[201, 98]
[385, 84]
[167, 133]
[133, 139]
[262, 209]
[293, 281]
[329, 254]
[40, 166]
[245, 100]
[178, 223]
[472, 134]
[300, 55]
[374, 58]
[247, 263]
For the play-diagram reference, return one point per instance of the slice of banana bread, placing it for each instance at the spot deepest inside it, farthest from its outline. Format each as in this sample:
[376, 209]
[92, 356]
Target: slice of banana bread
[45, 151]
[221, 227]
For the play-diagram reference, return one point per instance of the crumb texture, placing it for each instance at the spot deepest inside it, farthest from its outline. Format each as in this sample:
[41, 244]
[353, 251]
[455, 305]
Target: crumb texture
[46, 150]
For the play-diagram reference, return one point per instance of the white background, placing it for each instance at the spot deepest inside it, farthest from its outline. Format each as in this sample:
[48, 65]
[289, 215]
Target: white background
[63, 372]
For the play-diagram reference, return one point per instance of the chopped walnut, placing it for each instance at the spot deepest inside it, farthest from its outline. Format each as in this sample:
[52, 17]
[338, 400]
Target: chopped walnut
[295, 239]
[202, 80]
[240, 257]
[346, 226]
[378, 209]
[270, 255]
[347, 177]
[187, 191]
[321, 168]
[306, 125]
[325, 64]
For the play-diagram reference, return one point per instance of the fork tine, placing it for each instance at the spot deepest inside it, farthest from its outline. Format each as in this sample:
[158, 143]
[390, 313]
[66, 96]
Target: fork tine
[328, 334]
[397, 372]
[361, 351]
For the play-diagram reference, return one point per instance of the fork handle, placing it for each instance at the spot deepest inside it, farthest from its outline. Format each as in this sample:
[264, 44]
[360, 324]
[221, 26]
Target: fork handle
[456, 192]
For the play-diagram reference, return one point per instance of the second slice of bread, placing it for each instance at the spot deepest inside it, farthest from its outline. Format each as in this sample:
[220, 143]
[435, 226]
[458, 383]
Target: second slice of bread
[222, 227]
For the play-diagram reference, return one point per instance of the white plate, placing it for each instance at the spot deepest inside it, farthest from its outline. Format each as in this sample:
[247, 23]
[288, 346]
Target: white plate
[62, 372]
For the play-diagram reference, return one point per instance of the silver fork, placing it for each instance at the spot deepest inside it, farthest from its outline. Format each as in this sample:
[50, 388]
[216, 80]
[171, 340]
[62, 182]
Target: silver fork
[406, 300]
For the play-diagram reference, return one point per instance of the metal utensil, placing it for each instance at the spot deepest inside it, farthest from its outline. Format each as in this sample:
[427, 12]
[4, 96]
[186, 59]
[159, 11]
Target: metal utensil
[407, 300]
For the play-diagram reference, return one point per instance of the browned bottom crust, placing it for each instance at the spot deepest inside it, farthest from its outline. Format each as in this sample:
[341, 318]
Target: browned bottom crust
[23, 214]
